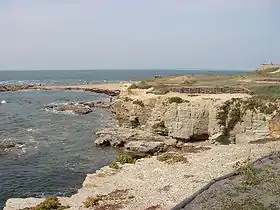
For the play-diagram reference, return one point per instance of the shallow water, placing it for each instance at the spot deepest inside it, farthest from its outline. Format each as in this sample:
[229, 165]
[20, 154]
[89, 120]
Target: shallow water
[58, 149]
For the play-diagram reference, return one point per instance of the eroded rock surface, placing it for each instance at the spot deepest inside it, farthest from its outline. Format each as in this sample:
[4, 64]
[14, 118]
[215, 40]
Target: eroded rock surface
[198, 118]
[80, 108]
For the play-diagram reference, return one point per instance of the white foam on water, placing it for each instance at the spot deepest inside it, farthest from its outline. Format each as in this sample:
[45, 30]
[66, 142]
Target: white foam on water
[29, 129]
[3, 102]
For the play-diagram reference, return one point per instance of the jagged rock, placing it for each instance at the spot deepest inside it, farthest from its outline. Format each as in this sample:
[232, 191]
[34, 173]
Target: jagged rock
[80, 108]
[109, 140]
[95, 104]
[7, 145]
[144, 146]
[10, 144]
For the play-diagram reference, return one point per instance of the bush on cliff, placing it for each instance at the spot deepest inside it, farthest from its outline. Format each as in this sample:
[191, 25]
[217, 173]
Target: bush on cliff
[92, 201]
[49, 203]
[122, 159]
[232, 111]
[171, 158]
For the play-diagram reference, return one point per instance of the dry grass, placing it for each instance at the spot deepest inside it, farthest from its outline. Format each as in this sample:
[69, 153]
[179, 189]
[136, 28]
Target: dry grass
[105, 201]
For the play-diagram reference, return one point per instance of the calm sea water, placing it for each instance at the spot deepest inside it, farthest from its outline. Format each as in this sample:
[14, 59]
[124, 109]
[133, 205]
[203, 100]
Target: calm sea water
[77, 77]
[56, 150]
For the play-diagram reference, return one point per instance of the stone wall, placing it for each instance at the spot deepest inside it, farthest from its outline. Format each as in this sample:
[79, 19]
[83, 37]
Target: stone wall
[210, 90]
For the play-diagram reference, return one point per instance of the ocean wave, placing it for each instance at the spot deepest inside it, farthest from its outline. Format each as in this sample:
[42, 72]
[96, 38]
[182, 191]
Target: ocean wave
[67, 112]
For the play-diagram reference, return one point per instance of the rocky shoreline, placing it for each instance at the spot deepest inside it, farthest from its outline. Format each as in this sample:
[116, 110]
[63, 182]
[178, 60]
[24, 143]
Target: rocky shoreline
[202, 136]
[97, 88]
[79, 108]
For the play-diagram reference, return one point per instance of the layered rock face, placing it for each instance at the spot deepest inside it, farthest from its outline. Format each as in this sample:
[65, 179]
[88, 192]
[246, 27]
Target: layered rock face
[196, 118]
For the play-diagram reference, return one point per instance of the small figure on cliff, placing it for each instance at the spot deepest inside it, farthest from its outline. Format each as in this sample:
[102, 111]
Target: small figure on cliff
[111, 99]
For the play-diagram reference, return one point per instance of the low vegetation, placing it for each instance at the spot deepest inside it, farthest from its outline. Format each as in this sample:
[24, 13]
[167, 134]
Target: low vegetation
[176, 100]
[255, 186]
[100, 201]
[232, 111]
[171, 158]
[122, 159]
[140, 85]
[160, 89]
[250, 174]
[49, 203]
[271, 92]
[92, 201]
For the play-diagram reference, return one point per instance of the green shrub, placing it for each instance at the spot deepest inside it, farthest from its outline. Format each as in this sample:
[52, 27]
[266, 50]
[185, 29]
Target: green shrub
[114, 165]
[250, 174]
[175, 99]
[171, 158]
[49, 203]
[125, 158]
[122, 159]
[92, 201]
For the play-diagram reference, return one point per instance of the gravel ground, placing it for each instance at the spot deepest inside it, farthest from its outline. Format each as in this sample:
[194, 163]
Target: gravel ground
[151, 184]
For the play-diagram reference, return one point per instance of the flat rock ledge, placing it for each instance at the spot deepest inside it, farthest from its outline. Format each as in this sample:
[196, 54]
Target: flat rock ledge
[152, 184]
[134, 140]
[17, 87]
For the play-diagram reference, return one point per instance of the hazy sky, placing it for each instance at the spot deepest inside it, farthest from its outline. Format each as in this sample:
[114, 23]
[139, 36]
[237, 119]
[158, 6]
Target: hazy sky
[138, 34]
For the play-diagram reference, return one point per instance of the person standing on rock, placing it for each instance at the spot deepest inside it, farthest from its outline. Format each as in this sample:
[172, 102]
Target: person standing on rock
[111, 99]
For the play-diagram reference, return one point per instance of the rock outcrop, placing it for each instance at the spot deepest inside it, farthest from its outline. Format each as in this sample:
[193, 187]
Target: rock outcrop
[225, 118]
[79, 108]
[15, 87]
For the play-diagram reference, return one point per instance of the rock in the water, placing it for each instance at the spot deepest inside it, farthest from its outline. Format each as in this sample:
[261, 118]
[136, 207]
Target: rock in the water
[15, 87]
[81, 110]
[4, 145]
[9, 145]
[144, 146]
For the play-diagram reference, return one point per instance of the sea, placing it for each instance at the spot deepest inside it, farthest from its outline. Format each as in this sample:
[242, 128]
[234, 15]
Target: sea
[55, 151]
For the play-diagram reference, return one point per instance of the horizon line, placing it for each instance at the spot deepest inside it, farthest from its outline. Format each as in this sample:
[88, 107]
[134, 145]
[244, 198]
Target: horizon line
[128, 69]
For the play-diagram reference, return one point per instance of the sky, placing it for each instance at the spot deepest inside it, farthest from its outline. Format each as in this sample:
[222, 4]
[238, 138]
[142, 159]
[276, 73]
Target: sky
[138, 34]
